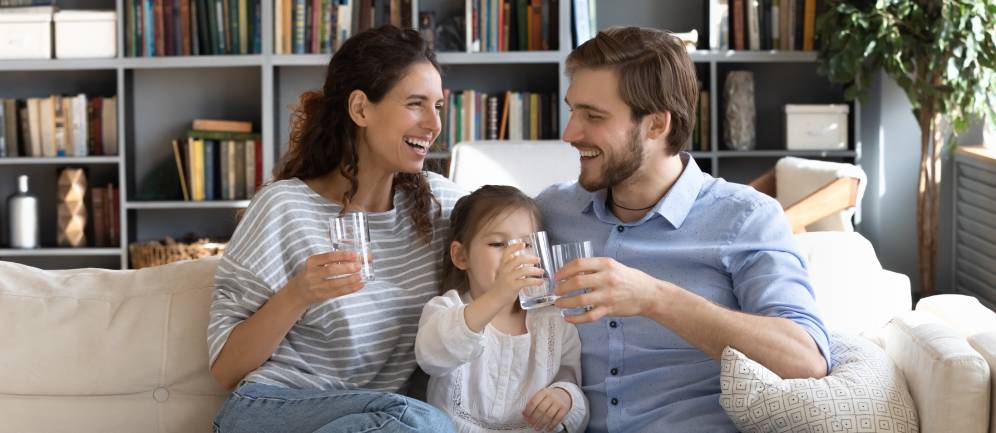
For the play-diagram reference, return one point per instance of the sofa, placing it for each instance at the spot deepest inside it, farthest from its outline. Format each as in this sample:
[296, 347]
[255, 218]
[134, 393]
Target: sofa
[92, 350]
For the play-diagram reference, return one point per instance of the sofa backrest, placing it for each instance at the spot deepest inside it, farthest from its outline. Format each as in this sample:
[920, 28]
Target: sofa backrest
[852, 290]
[93, 350]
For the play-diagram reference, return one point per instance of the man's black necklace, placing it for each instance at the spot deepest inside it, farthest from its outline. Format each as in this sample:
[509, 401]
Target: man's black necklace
[613, 203]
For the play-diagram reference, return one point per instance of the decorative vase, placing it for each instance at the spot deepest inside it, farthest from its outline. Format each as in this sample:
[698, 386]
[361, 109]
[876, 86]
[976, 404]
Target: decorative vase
[740, 116]
[23, 210]
[71, 208]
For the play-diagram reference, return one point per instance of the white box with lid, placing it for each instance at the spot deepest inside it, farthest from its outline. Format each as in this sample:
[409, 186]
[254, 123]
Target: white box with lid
[816, 127]
[85, 34]
[26, 33]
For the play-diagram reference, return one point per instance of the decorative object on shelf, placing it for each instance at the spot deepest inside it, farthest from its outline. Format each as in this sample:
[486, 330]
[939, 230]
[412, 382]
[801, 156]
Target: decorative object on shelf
[22, 208]
[155, 253]
[72, 207]
[427, 27]
[85, 34]
[450, 35]
[26, 32]
[945, 69]
[816, 126]
[741, 116]
[689, 39]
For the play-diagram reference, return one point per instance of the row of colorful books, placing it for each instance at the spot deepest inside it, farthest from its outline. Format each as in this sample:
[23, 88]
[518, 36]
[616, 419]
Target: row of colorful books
[105, 211]
[473, 115]
[764, 24]
[59, 126]
[511, 25]
[192, 27]
[213, 165]
[321, 26]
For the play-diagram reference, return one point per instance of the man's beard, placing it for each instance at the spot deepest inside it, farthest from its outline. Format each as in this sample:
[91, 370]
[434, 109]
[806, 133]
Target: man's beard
[615, 171]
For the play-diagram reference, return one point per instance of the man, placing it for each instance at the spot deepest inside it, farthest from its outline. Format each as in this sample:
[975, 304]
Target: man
[686, 264]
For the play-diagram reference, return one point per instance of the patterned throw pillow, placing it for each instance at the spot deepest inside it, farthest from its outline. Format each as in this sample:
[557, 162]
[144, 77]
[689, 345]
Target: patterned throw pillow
[865, 392]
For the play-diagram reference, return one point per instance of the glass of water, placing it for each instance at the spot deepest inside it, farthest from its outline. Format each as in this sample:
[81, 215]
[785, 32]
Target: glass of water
[564, 254]
[539, 295]
[350, 232]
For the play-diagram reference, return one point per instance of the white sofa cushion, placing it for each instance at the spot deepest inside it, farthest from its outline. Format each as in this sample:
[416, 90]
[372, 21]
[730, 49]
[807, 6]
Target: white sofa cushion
[100, 350]
[985, 344]
[964, 314]
[843, 268]
[949, 380]
[864, 392]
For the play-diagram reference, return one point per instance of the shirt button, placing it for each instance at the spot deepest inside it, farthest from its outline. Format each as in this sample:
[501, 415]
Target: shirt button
[620, 229]
[614, 371]
[613, 324]
[615, 401]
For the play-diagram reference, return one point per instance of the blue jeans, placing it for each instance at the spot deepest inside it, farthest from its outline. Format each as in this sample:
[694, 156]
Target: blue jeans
[262, 408]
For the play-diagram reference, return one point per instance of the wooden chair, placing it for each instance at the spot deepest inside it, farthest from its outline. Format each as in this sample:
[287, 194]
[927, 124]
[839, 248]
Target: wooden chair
[831, 199]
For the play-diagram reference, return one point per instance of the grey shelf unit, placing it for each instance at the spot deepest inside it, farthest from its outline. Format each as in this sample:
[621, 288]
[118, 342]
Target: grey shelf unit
[158, 96]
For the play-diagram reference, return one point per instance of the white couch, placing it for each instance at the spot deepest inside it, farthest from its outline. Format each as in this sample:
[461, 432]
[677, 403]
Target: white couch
[91, 350]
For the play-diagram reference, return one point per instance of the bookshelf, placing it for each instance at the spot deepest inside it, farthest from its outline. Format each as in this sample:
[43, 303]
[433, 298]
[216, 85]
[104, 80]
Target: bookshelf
[159, 96]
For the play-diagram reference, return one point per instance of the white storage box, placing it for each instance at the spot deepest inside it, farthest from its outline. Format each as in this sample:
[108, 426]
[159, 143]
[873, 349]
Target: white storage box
[26, 34]
[85, 34]
[816, 127]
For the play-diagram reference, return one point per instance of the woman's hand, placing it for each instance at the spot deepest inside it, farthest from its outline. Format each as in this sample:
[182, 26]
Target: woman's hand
[514, 271]
[547, 409]
[326, 276]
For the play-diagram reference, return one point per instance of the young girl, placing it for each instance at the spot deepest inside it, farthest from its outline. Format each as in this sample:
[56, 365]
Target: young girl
[494, 366]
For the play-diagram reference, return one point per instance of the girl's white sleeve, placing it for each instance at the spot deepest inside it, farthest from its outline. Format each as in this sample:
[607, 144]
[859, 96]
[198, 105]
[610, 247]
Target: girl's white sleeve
[444, 342]
[568, 378]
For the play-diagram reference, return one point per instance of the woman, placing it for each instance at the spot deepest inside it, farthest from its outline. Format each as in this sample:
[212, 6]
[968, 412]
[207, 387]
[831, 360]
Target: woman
[310, 345]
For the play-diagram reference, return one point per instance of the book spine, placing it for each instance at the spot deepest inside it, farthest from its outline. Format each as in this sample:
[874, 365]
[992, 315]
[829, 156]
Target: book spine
[160, 30]
[244, 14]
[300, 9]
[257, 20]
[185, 27]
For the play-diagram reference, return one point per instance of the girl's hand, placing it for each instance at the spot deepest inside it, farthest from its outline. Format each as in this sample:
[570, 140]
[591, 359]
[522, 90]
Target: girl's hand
[547, 409]
[515, 269]
[326, 276]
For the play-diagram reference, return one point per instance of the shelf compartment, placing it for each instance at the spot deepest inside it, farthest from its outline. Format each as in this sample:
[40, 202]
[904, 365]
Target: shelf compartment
[60, 160]
[163, 111]
[213, 204]
[58, 252]
[171, 62]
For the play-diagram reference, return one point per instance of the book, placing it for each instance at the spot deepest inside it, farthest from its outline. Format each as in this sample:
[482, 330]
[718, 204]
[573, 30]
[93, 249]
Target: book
[109, 126]
[222, 125]
[113, 209]
[98, 209]
[181, 164]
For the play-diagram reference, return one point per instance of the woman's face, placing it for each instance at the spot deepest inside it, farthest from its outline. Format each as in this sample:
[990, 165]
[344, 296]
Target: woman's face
[401, 127]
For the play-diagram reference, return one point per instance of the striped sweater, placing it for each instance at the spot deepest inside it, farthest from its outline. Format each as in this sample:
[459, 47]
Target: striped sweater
[362, 340]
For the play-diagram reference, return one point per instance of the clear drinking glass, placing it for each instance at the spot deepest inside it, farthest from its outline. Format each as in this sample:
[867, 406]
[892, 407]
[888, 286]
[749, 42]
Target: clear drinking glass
[564, 254]
[350, 232]
[540, 295]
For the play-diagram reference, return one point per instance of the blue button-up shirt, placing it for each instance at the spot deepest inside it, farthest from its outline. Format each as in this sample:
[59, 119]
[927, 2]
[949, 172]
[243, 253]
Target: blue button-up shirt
[725, 242]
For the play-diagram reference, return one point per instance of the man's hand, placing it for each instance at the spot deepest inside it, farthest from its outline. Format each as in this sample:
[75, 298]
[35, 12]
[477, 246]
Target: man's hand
[615, 289]
[547, 409]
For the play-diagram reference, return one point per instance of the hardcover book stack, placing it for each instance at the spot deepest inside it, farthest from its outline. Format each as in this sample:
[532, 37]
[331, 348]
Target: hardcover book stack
[219, 160]
[787, 25]
[105, 209]
[321, 26]
[58, 126]
[192, 27]
[473, 115]
[511, 25]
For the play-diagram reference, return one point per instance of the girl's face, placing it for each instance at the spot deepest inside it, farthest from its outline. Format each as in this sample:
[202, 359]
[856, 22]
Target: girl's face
[399, 129]
[482, 256]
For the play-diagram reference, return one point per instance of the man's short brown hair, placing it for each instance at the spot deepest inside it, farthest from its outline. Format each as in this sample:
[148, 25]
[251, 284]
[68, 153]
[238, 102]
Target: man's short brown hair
[655, 75]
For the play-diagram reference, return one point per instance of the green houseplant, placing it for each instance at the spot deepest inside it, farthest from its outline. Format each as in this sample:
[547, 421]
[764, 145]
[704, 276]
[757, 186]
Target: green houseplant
[942, 53]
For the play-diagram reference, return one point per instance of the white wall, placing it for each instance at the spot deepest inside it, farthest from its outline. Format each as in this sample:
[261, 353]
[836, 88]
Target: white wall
[891, 154]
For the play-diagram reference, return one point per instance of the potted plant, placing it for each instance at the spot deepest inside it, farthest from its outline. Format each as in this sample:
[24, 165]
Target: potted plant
[942, 53]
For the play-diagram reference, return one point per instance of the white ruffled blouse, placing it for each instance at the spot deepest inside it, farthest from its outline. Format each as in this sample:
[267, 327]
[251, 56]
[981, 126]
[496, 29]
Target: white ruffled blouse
[484, 380]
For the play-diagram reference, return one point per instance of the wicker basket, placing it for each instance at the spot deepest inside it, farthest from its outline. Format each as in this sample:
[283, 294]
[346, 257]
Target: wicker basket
[155, 253]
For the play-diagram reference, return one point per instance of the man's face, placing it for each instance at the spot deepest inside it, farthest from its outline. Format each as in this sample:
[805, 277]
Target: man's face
[602, 129]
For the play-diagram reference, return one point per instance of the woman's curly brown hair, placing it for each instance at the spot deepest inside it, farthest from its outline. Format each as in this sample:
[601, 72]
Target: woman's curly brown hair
[323, 136]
